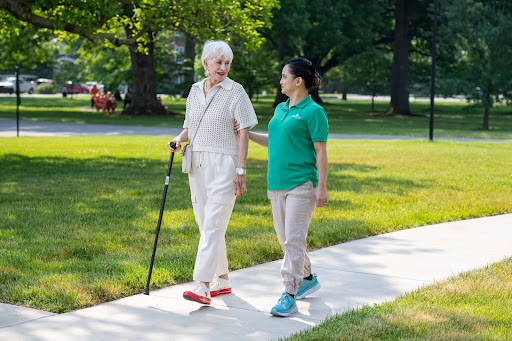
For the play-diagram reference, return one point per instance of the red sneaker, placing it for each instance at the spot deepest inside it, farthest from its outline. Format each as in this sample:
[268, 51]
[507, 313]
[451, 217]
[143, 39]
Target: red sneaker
[220, 287]
[200, 294]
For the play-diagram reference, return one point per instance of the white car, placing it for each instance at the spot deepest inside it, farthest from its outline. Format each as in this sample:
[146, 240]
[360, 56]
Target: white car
[9, 85]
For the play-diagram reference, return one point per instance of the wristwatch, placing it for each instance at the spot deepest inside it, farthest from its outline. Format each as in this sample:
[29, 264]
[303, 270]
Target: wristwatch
[240, 171]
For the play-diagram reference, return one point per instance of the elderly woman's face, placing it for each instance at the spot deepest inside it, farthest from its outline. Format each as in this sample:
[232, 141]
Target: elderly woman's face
[218, 68]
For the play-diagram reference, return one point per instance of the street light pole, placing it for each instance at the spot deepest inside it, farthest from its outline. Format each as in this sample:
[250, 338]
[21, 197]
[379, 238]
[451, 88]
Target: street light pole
[18, 101]
[433, 74]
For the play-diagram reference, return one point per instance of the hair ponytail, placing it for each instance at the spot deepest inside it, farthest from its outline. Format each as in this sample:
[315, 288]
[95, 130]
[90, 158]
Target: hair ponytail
[302, 67]
[317, 81]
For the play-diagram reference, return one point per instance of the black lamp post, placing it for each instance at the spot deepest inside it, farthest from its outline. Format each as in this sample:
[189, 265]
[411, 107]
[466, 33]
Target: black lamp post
[433, 74]
[18, 102]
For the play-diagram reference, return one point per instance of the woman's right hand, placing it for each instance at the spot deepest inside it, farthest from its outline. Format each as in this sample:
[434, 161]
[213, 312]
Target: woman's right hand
[177, 143]
[237, 127]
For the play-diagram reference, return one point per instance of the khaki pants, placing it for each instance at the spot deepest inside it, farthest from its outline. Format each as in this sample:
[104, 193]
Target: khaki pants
[213, 197]
[292, 210]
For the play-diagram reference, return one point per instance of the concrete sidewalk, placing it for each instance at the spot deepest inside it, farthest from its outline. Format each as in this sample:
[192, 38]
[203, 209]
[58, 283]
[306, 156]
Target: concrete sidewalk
[49, 128]
[363, 272]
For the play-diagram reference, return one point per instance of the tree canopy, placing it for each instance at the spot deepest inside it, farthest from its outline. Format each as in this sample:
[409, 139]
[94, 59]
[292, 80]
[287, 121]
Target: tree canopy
[478, 34]
[136, 23]
[373, 46]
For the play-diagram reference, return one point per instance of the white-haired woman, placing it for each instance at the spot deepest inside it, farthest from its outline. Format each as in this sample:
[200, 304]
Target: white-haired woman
[219, 157]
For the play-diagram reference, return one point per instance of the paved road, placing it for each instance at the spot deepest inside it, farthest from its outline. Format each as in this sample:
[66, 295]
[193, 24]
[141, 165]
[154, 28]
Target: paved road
[362, 272]
[49, 128]
[327, 96]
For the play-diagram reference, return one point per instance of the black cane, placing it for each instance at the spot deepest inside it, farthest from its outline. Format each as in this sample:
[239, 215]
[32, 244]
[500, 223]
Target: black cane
[146, 291]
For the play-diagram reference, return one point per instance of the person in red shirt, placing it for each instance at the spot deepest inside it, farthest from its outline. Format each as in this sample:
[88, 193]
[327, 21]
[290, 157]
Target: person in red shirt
[93, 91]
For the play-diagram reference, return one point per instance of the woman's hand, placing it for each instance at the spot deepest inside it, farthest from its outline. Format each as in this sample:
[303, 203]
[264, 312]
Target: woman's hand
[237, 127]
[321, 163]
[240, 186]
[177, 143]
[321, 196]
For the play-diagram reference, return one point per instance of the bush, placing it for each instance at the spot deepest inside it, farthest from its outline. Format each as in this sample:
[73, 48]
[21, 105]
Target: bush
[46, 88]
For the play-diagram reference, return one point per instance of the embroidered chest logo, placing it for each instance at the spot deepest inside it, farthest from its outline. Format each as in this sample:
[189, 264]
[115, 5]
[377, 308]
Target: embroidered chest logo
[296, 116]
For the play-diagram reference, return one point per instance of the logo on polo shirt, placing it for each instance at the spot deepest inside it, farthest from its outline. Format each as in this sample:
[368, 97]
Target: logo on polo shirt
[297, 116]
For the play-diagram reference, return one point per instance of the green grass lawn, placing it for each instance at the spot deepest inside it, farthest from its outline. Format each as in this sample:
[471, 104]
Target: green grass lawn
[452, 119]
[78, 214]
[475, 305]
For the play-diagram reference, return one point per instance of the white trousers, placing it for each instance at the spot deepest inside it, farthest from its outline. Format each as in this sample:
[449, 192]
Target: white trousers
[213, 197]
[292, 210]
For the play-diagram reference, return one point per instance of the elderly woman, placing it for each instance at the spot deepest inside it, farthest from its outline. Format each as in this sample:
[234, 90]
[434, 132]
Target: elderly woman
[219, 157]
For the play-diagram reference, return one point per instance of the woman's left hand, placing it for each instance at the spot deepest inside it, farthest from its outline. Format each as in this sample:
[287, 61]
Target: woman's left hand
[240, 187]
[321, 196]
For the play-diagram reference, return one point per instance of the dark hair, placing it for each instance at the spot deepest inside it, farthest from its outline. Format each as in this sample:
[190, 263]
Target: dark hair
[302, 67]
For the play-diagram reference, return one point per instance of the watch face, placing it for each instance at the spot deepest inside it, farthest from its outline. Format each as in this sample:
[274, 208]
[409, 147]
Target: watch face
[240, 171]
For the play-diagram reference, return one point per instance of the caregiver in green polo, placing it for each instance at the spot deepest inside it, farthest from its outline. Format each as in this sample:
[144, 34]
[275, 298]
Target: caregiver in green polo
[296, 176]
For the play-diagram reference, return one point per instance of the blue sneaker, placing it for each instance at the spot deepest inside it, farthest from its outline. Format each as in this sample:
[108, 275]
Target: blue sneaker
[285, 306]
[307, 287]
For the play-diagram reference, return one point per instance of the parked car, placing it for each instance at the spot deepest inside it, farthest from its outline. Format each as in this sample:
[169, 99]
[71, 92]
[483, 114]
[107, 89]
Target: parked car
[44, 80]
[9, 85]
[78, 88]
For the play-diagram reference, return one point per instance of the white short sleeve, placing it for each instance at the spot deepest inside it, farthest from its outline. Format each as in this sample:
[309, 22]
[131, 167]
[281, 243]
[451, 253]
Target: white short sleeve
[187, 112]
[244, 112]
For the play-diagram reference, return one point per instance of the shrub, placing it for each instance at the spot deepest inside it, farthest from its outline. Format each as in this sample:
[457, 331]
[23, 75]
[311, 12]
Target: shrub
[46, 88]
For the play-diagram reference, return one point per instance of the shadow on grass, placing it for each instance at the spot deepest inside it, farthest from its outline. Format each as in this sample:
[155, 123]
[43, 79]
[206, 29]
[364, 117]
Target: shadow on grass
[78, 232]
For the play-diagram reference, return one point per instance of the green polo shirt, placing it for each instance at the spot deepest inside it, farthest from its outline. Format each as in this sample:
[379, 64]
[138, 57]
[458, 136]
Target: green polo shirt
[291, 153]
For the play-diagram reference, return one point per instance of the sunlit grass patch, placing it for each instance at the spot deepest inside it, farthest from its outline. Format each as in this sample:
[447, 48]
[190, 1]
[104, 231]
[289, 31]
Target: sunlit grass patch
[472, 306]
[84, 209]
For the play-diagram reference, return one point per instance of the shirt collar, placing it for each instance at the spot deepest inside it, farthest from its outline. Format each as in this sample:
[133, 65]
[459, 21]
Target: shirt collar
[227, 84]
[305, 101]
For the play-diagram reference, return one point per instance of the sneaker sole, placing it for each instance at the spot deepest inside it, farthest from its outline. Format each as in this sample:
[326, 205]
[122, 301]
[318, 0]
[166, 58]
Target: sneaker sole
[220, 292]
[293, 311]
[190, 296]
[309, 292]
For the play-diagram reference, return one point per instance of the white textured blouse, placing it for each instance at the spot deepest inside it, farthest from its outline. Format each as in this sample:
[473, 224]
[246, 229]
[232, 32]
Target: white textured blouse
[216, 132]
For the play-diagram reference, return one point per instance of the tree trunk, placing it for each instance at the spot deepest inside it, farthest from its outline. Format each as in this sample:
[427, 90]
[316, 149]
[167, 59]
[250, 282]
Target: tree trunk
[487, 104]
[486, 118]
[315, 95]
[188, 65]
[144, 101]
[400, 69]
[281, 50]
[344, 90]
[373, 98]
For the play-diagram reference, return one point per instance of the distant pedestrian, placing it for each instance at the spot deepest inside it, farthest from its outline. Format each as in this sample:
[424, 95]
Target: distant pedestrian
[128, 97]
[93, 91]
[296, 176]
[117, 96]
[110, 102]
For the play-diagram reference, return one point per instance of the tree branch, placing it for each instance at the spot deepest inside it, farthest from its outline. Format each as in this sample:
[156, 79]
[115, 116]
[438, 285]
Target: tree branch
[332, 62]
[21, 11]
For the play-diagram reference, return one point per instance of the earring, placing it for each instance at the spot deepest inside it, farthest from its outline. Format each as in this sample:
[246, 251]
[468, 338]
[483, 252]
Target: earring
[207, 72]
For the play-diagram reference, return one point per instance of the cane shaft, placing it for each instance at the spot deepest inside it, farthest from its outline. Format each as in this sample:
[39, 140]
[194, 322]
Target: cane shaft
[164, 196]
